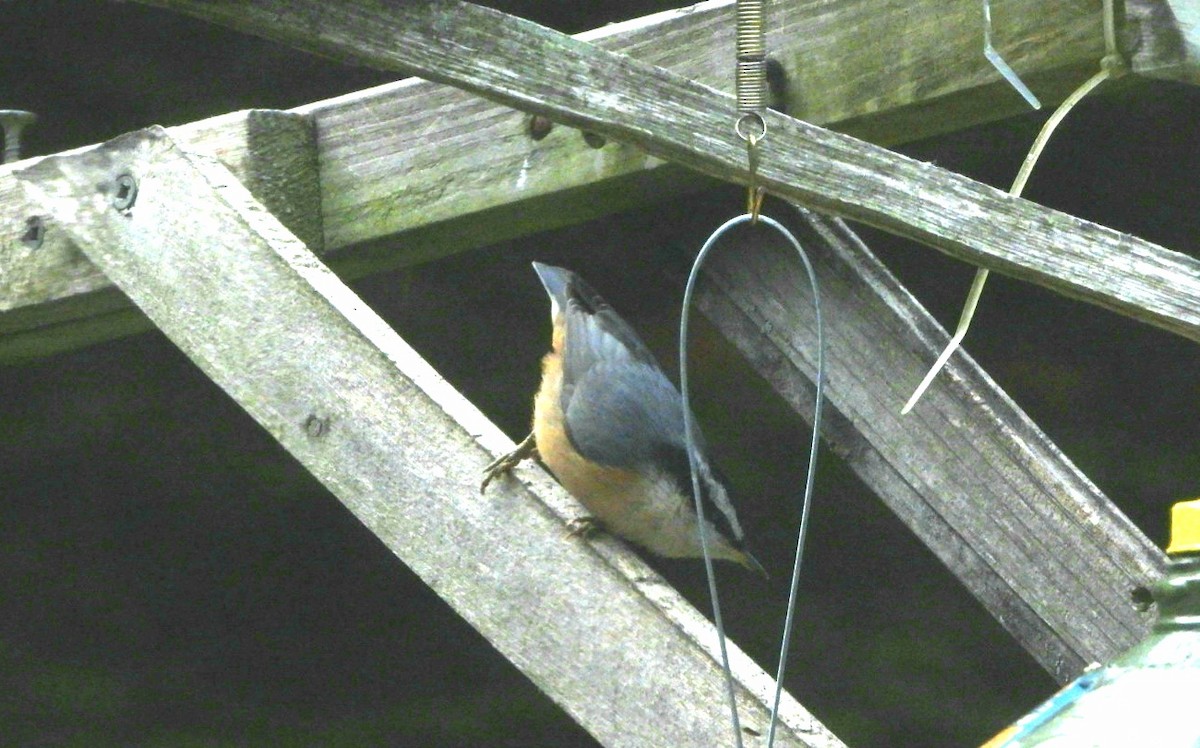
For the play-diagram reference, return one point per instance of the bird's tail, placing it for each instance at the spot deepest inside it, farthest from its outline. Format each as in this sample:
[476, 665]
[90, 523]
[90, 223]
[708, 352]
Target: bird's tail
[747, 559]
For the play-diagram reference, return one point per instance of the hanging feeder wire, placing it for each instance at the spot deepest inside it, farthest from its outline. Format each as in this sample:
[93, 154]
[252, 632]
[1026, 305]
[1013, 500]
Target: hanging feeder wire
[689, 431]
[751, 127]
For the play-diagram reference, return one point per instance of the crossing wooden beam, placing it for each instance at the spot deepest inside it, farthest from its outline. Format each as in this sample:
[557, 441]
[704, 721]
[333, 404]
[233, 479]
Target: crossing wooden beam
[535, 69]
[1162, 38]
[1036, 542]
[414, 170]
[589, 623]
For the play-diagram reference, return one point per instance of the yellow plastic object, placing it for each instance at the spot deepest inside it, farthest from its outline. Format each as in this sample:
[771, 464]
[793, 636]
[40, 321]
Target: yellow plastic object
[1185, 527]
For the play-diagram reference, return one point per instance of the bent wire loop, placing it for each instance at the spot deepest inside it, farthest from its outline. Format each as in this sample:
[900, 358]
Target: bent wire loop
[689, 429]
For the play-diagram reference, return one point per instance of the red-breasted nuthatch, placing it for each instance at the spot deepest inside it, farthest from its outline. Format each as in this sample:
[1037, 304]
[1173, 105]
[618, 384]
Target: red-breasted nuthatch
[609, 425]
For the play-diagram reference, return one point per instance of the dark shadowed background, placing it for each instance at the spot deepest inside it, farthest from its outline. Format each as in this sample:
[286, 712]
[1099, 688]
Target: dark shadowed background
[169, 576]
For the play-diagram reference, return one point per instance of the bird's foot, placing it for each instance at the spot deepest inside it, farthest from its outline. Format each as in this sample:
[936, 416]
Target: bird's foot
[583, 527]
[502, 465]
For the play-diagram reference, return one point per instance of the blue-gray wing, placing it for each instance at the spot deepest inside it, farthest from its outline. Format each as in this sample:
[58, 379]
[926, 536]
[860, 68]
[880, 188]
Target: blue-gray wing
[597, 334]
[628, 415]
[624, 413]
[619, 407]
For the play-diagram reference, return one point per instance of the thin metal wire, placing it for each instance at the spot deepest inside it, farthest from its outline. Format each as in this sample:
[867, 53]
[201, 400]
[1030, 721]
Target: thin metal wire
[689, 431]
[751, 95]
[981, 275]
[1112, 66]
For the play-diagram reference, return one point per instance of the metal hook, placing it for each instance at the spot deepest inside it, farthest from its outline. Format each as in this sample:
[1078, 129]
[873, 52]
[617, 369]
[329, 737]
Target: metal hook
[754, 193]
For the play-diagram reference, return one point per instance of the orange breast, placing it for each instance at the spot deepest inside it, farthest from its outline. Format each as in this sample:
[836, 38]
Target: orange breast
[602, 490]
[647, 509]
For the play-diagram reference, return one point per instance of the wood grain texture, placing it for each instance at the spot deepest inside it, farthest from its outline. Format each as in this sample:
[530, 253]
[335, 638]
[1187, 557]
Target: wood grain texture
[1163, 39]
[1029, 535]
[532, 68]
[447, 172]
[431, 160]
[590, 624]
[52, 298]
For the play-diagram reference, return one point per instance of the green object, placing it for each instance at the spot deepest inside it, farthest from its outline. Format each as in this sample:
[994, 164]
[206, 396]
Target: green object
[1148, 696]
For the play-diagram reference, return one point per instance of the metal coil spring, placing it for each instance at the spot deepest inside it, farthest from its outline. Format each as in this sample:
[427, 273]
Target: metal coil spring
[751, 86]
[751, 49]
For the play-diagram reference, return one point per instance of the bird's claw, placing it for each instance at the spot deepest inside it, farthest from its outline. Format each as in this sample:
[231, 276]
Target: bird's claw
[583, 527]
[503, 464]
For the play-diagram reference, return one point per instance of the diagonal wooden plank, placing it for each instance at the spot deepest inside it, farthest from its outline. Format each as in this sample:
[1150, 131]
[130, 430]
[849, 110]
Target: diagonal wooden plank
[533, 68]
[383, 168]
[590, 624]
[1028, 534]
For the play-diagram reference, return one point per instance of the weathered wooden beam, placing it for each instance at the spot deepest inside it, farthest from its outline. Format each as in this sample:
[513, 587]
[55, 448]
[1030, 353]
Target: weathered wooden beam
[1163, 37]
[384, 169]
[52, 298]
[887, 71]
[1049, 555]
[589, 623]
[533, 68]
